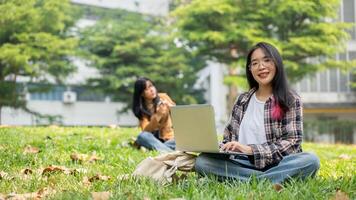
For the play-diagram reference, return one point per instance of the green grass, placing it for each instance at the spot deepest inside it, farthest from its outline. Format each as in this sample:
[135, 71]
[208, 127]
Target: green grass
[57, 143]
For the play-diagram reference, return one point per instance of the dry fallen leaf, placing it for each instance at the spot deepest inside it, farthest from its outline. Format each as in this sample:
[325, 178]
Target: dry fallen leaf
[339, 195]
[99, 177]
[78, 157]
[94, 158]
[345, 157]
[61, 169]
[26, 196]
[2, 196]
[44, 192]
[86, 181]
[84, 157]
[277, 187]
[26, 171]
[5, 176]
[100, 195]
[53, 169]
[31, 150]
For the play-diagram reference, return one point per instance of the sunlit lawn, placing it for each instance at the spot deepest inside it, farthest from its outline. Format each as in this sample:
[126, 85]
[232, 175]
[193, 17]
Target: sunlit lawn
[56, 144]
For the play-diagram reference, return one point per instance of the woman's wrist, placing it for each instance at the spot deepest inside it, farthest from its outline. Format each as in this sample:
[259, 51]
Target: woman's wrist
[248, 149]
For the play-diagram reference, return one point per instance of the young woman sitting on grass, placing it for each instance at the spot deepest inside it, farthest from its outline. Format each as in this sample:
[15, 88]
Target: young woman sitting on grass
[267, 123]
[152, 110]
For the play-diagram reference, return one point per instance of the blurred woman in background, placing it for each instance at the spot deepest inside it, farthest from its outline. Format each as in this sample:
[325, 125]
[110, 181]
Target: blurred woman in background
[152, 110]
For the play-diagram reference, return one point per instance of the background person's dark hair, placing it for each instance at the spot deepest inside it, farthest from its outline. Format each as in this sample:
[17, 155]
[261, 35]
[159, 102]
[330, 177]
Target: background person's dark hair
[138, 106]
[280, 87]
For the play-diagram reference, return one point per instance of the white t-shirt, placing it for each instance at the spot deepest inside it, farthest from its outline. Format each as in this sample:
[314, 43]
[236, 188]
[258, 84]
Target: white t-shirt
[252, 130]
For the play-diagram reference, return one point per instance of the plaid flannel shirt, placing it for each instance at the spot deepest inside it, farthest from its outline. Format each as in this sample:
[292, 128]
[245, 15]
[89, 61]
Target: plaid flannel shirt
[283, 136]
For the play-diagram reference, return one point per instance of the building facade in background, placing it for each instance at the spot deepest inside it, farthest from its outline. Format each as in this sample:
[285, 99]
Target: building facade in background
[72, 104]
[327, 95]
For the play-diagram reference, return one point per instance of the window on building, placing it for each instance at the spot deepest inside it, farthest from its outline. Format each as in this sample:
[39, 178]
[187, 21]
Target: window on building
[344, 84]
[55, 93]
[344, 81]
[313, 83]
[323, 82]
[352, 73]
[304, 85]
[334, 83]
[353, 80]
[87, 94]
[47, 93]
[349, 15]
[335, 80]
[342, 56]
[352, 55]
[331, 80]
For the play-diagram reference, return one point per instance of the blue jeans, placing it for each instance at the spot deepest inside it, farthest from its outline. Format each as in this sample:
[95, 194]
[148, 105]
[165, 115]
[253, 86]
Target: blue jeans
[149, 141]
[301, 165]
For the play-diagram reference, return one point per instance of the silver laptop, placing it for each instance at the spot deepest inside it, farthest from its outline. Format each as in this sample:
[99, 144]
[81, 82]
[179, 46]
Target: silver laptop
[194, 129]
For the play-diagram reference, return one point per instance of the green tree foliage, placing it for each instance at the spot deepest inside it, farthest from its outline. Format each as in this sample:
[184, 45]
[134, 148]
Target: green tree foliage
[306, 32]
[33, 45]
[124, 45]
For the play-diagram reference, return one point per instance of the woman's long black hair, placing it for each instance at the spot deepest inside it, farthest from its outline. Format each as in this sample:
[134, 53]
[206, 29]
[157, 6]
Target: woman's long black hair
[281, 92]
[138, 107]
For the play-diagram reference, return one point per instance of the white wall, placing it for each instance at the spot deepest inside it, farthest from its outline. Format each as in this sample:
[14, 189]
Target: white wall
[328, 97]
[152, 7]
[79, 113]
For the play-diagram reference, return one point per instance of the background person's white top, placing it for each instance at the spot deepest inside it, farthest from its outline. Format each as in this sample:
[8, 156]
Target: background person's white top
[252, 129]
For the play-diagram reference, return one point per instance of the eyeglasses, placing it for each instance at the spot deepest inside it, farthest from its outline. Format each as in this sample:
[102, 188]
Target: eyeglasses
[267, 62]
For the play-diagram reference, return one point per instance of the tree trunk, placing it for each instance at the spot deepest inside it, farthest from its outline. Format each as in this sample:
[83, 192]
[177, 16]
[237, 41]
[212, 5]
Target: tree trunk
[0, 114]
[233, 92]
[232, 96]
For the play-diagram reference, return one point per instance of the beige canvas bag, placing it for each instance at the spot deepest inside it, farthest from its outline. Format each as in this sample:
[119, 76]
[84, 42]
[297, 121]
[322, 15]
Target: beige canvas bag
[162, 168]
